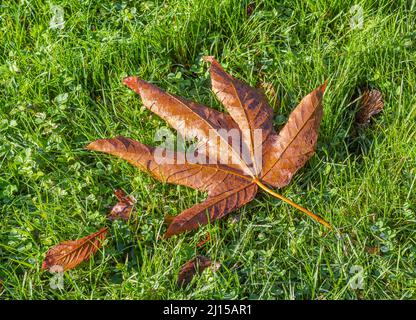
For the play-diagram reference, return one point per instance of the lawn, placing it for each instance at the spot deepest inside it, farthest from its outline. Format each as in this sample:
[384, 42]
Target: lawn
[61, 87]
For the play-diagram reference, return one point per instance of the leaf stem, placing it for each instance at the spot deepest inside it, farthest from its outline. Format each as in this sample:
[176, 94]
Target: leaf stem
[275, 194]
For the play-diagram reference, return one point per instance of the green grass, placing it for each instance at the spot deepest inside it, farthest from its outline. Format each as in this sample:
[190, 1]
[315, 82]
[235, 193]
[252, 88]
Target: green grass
[60, 89]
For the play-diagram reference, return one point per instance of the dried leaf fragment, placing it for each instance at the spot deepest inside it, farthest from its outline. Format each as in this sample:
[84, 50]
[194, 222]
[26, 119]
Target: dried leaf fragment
[250, 9]
[124, 208]
[194, 266]
[69, 254]
[373, 250]
[201, 243]
[371, 103]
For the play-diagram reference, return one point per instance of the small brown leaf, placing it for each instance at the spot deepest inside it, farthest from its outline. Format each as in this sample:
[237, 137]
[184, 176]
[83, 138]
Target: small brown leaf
[193, 267]
[123, 209]
[371, 103]
[200, 244]
[373, 250]
[69, 254]
[250, 9]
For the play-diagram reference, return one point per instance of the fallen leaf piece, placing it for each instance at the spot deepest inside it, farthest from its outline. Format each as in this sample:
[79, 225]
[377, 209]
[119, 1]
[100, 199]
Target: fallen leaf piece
[123, 209]
[69, 254]
[200, 244]
[371, 103]
[250, 9]
[233, 179]
[193, 267]
[373, 250]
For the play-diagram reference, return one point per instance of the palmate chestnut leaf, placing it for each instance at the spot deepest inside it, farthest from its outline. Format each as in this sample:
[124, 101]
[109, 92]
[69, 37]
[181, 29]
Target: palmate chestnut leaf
[235, 179]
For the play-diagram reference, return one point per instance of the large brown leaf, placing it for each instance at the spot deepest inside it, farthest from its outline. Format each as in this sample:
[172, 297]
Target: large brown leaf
[253, 161]
[69, 254]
